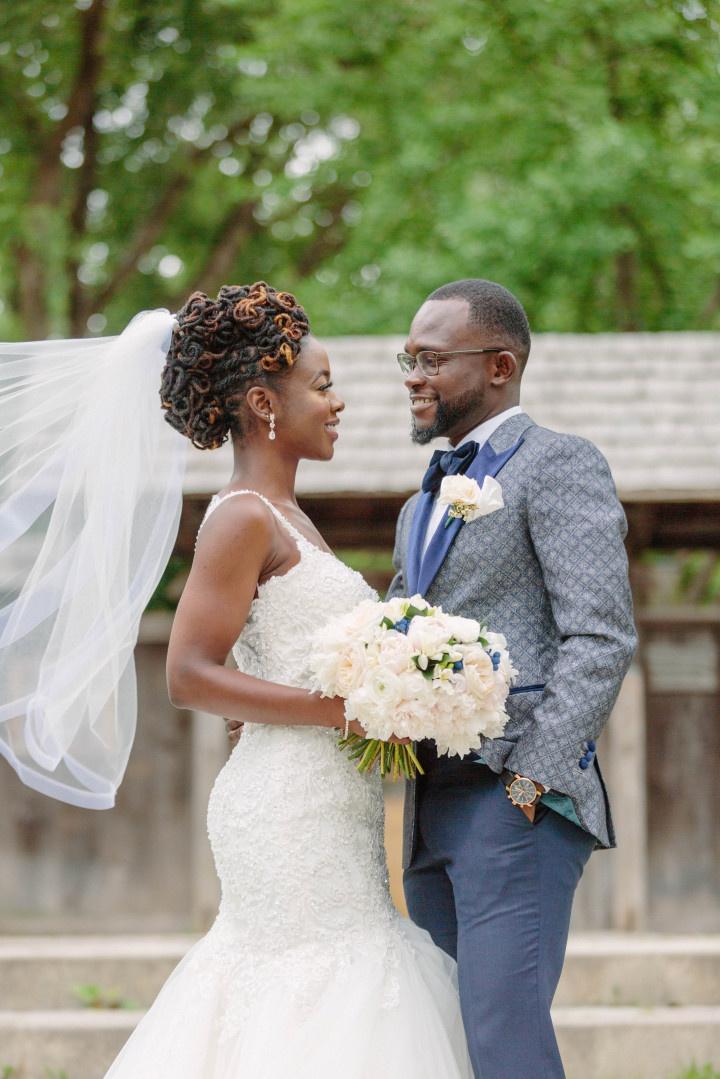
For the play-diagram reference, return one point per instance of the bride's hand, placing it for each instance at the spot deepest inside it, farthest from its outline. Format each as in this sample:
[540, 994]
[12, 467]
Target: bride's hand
[357, 728]
[234, 729]
[336, 706]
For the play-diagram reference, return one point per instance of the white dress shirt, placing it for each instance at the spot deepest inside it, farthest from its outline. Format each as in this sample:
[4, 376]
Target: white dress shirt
[479, 434]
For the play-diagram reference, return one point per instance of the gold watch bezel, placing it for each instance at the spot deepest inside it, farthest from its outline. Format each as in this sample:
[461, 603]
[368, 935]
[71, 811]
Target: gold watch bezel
[522, 779]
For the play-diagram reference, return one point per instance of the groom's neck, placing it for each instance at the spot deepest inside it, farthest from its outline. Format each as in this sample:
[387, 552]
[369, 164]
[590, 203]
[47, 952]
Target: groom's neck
[460, 432]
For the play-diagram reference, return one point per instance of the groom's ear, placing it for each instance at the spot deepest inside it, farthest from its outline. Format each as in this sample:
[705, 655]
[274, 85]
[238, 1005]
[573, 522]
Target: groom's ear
[505, 368]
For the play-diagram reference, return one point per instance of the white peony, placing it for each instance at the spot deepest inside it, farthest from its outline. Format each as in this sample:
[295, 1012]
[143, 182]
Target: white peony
[464, 630]
[429, 635]
[395, 652]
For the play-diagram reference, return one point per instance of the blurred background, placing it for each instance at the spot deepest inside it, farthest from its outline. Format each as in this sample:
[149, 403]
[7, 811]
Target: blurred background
[361, 156]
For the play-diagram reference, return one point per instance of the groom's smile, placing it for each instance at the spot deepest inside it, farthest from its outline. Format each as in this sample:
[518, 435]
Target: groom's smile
[420, 403]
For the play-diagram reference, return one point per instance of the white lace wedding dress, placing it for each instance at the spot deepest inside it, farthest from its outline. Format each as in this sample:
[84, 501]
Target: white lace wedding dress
[308, 972]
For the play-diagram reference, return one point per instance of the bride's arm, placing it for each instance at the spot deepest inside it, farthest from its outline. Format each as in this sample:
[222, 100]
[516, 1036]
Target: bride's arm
[235, 548]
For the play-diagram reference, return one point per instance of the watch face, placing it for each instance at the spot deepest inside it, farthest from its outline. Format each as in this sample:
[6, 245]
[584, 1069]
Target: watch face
[523, 792]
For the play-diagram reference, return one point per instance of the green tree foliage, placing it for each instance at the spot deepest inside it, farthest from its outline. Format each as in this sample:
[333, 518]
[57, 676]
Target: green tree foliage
[361, 154]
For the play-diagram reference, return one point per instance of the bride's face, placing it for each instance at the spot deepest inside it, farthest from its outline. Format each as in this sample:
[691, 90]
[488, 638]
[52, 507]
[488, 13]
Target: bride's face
[308, 408]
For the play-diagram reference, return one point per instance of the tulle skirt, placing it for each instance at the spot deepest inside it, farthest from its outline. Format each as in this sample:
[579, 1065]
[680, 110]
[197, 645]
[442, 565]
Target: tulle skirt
[351, 1028]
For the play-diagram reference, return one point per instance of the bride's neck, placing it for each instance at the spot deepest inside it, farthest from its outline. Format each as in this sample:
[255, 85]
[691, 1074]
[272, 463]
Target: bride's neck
[266, 469]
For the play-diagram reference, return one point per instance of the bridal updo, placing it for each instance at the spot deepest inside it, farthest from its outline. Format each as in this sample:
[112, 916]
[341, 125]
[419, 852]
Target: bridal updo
[250, 334]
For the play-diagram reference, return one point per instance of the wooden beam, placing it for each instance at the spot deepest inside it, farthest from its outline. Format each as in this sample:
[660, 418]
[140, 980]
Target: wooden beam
[673, 524]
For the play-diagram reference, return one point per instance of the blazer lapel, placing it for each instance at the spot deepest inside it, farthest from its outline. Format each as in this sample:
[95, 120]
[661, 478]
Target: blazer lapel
[421, 516]
[488, 462]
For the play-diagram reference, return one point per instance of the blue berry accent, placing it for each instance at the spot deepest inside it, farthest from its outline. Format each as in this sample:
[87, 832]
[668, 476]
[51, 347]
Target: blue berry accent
[584, 763]
[458, 665]
[591, 746]
[495, 657]
[402, 625]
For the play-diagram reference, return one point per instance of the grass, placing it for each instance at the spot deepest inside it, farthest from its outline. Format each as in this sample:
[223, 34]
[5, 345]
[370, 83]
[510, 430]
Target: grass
[93, 996]
[10, 1072]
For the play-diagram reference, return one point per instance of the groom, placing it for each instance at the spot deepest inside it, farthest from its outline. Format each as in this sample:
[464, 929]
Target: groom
[495, 843]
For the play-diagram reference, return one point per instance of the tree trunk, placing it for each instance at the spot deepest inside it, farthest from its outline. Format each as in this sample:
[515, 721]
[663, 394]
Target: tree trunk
[31, 290]
[625, 299]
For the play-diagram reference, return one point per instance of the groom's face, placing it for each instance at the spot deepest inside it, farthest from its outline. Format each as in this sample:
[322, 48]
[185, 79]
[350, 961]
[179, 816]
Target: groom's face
[455, 400]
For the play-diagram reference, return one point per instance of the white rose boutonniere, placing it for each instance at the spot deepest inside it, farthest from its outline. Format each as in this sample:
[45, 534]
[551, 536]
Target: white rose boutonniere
[467, 499]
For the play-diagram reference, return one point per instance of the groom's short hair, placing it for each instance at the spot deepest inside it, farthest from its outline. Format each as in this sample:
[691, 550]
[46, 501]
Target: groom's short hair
[493, 308]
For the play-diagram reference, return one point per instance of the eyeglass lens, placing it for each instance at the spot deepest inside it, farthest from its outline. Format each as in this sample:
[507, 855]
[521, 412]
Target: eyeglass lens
[426, 361]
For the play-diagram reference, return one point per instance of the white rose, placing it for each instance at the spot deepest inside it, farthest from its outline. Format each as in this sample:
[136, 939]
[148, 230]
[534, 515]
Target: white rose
[384, 690]
[467, 500]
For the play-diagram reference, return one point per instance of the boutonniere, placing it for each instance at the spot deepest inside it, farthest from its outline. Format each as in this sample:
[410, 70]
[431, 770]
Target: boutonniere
[467, 499]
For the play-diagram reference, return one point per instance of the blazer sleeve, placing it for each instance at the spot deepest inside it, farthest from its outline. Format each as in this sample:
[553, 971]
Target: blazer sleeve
[577, 526]
[397, 585]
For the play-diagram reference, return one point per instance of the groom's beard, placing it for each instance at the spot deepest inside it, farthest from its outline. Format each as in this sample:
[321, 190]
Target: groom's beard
[447, 417]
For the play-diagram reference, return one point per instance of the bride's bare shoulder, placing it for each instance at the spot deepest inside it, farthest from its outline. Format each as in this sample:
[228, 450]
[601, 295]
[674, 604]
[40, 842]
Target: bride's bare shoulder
[235, 520]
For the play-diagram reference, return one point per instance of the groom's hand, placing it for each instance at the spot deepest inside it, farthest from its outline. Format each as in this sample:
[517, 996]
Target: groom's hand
[234, 729]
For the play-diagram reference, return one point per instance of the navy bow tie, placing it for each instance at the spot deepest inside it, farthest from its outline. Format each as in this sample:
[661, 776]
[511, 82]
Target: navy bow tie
[448, 463]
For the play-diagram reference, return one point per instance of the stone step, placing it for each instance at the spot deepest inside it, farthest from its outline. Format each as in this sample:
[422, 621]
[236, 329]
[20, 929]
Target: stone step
[47, 972]
[601, 969]
[637, 1043]
[75, 1044]
[634, 970]
[596, 1043]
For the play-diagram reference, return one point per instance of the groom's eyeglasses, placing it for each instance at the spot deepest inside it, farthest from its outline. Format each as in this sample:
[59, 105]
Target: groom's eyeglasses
[429, 362]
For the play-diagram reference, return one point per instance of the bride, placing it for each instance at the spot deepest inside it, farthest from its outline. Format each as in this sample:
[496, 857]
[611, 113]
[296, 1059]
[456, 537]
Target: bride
[308, 971]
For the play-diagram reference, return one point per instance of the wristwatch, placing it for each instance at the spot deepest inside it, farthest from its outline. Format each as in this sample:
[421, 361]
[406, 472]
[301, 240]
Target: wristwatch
[520, 790]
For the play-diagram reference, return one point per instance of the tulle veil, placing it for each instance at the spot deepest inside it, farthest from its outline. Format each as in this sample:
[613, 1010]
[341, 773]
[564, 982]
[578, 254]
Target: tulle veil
[90, 497]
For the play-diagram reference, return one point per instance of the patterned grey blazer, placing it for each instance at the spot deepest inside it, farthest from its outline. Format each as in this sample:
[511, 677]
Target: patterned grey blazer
[550, 572]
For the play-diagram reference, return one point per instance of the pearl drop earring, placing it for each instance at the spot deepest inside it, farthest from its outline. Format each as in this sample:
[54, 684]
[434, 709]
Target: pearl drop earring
[271, 433]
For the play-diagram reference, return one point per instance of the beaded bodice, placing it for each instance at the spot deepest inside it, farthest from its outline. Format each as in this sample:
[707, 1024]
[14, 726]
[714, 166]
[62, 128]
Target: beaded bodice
[296, 830]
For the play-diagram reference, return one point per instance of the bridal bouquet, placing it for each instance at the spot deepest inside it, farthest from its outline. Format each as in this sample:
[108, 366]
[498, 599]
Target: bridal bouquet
[411, 670]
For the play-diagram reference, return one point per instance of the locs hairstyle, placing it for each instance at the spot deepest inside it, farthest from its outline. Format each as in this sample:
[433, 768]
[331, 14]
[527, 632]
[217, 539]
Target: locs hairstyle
[250, 334]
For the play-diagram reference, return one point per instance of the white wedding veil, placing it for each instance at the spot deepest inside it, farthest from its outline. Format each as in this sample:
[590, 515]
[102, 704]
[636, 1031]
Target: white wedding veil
[90, 498]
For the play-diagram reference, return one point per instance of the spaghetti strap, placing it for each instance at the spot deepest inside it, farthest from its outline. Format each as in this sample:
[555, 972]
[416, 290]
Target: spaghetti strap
[217, 500]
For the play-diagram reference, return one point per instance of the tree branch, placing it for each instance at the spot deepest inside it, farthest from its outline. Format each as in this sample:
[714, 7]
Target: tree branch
[712, 307]
[330, 240]
[236, 229]
[153, 225]
[78, 310]
[650, 253]
[81, 102]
